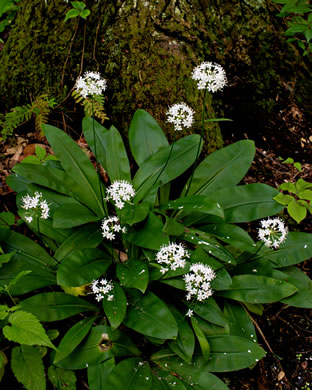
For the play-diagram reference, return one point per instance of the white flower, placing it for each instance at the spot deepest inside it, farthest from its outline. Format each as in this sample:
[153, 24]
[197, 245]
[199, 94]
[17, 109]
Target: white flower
[101, 288]
[37, 205]
[272, 232]
[209, 75]
[180, 115]
[173, 256]
[110, 226]
[90, 84]
[189, 313]
[197, 282]
[120, 191]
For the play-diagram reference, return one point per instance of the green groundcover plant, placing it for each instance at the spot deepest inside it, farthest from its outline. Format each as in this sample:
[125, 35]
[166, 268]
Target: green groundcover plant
[149, 281]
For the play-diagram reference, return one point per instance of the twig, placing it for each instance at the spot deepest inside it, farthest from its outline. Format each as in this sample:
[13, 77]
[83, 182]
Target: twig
[68, 54]
[94, 45]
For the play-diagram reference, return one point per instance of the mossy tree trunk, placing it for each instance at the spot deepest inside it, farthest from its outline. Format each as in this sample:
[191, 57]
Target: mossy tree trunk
[147, 50]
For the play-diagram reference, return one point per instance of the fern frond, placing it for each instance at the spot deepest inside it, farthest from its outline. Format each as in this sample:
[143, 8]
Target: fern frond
[91, 108]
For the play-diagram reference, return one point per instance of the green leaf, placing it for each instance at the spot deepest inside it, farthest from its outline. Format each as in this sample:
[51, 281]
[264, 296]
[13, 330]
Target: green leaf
[40, 152]
[85, 13]
[303, 297]
[283, 199]
[297, 248]
[305, 194]
[55, 306]
[116, 308]
[209, 244]
[6, 258]
[87, 236]
[71, 215]
[182, 157]
[184, 345]
[26, 329]
[72, 13]
[145, 136]
[196, 203]
[73, 338]
[97, 375]
[210, 311]
[62, 379]
[118, 167]
[231, 234]
[232, 353]
[163, 380]
[247, 202]
[28, 256]
[257, 289]
[130, 374]
[223, 168]
[203, 342]
[290, 187]
[133, 274]
[195, 374]
[83, 267]
[46, 176]
[148, 315]
[88, 123]
[296, 211]
[150, 235]
[78, 5]
[100, 345]
[239, 321]
[7, 219]
[172, 227]
[133, 213]
[77, 166]
[27, 366]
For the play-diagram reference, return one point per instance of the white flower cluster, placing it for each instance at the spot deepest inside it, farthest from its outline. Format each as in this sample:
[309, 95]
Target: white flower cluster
[110, 226]
[197, 282]
[101, 288]
[120, 191]
[181, 115]
[90, 84]
[272, 232]
[35, 203]
[173, 256]
[209, 75]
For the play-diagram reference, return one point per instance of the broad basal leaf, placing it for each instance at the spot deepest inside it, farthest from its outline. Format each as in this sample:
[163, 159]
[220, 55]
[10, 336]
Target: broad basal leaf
[145, 136]
[130, 374]
[55, 306]
[133, 274]
[148, 315]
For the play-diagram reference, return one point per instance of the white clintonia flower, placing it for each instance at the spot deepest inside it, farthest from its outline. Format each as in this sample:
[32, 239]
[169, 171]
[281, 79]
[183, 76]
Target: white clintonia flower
[90, 84]
[181, 115]
[36, 204]
[110, 226]
[120, 191]
[272, 232]
[209, 75]
[189, 313]
[101, 288]
[197, 282]
[172, 256]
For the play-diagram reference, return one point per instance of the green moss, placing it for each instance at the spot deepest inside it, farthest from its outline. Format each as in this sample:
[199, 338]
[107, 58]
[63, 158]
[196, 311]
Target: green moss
[147, 50]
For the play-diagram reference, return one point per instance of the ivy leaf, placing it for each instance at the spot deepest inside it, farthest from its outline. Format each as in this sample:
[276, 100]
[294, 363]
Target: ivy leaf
[26, 329]
[40, 152]
[62, 379]
[28, 368]
[283, 199]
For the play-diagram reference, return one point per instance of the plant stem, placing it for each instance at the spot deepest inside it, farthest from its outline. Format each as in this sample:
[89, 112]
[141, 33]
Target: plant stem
[96, 162]
[200, 141]
[164, 167]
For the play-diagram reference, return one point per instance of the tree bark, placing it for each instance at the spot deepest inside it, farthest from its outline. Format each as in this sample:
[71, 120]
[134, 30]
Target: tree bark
[147, 49]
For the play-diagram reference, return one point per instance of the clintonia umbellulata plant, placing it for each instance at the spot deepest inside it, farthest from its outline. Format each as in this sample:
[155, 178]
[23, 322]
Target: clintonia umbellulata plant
[157, 288]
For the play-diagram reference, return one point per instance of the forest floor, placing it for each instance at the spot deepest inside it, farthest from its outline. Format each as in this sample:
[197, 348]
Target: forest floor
[284, 332]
